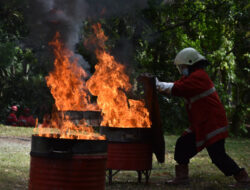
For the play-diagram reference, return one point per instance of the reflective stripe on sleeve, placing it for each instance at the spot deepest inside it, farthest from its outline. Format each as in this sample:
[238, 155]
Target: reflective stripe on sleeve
[204, 94]
[188, 130]
[211, 135]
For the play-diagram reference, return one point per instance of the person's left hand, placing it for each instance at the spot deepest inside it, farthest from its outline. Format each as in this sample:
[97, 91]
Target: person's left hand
[163, 86]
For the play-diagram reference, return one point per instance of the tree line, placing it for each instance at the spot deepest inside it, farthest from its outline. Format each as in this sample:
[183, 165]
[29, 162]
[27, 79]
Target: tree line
[145, 41]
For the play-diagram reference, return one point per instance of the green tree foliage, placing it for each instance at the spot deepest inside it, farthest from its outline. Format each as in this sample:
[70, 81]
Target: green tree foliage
[21, 81]
[241, 95]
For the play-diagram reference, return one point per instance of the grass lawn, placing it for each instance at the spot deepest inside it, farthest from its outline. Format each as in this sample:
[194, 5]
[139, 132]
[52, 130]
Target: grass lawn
[15, 161]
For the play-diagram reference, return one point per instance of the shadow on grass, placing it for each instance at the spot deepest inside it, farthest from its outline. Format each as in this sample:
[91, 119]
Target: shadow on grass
[199, 180]
[128, 185]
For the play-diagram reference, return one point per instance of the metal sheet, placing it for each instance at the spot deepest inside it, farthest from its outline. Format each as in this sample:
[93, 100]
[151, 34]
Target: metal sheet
[152, 104]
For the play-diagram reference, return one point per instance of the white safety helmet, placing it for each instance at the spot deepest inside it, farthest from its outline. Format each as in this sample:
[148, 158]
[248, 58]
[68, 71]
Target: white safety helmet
[188, 56]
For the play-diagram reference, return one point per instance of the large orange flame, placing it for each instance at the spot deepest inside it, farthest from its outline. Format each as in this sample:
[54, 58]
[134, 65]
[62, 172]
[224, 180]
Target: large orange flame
[110, 84]
[60, 126]
[68, 88]
[66, 81]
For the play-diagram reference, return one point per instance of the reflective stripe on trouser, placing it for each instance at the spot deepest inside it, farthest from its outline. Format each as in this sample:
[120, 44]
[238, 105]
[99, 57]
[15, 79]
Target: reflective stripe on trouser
[211, 135]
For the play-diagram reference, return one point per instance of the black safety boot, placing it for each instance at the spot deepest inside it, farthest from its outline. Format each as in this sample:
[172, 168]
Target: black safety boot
[242, 179]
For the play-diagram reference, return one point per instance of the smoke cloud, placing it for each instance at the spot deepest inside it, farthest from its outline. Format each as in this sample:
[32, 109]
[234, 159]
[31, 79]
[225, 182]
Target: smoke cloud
[45, 17]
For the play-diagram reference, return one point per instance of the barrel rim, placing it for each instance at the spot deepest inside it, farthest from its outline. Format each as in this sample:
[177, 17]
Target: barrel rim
[63, 139]
[126, 135]
[81, 112]
[65, 148]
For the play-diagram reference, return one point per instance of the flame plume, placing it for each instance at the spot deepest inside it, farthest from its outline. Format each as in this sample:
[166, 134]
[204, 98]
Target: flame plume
[110, 84]
[66, 81]
[67, 85]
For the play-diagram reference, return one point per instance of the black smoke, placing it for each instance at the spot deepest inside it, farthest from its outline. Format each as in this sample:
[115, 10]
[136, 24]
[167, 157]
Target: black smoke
[46, 17]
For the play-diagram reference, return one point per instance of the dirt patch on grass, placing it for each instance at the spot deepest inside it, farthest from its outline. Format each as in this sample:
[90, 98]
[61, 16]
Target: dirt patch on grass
[14, 162]
[15, 140]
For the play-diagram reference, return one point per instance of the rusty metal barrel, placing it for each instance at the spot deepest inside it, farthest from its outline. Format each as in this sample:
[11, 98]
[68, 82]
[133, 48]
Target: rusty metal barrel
[67, 164]
[129, 149]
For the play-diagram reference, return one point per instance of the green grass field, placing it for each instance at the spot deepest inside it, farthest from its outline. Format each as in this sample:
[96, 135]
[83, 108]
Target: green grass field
[15, 161]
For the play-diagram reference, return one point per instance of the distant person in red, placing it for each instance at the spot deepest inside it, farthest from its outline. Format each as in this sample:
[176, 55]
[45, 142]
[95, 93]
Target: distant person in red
[12, 118]
[26, 119]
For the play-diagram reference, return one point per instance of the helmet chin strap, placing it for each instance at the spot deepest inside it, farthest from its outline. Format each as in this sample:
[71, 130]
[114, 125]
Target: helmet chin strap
[179, 69]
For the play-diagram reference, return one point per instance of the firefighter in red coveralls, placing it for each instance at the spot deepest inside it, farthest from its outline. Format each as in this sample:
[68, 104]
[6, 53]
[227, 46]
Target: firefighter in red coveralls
[208, 123]
[12, 118]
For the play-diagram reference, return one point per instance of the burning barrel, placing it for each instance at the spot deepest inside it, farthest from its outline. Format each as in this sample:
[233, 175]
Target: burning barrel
[67, 164]
[129, 149]
[92, 118]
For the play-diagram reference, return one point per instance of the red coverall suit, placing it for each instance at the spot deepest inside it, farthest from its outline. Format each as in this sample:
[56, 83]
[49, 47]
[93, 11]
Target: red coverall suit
[12, 119]
[208, 122]
[26, 120]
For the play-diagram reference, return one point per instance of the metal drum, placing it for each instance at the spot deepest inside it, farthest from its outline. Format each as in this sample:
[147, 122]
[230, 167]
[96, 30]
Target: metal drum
[129, 149]
[67, 164]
